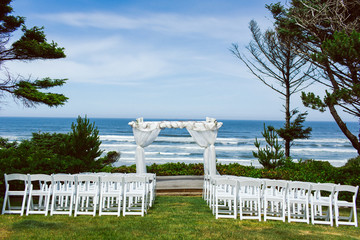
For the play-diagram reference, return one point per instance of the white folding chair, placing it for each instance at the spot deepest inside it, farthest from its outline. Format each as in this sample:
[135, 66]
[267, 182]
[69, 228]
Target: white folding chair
[250, 199]
[226, 196]
[63, 191]
[298, 198]
[206, 188]
[135, 195]
[39, 194]
[275, 199]
[111, 194]
[16, 186]
[151, 188]
[321, 202]
[351, 219]
[87, 194]
[212, 190]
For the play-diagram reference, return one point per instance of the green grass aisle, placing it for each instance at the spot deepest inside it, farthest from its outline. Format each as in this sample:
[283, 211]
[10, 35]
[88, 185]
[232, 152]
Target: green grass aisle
[170, 218]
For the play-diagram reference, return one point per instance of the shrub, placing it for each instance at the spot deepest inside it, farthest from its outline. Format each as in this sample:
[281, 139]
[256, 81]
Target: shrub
[272, 155]
[53, 153]
[84, 144]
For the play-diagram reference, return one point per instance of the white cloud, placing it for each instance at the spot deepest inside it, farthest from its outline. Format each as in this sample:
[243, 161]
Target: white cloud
[219, 27]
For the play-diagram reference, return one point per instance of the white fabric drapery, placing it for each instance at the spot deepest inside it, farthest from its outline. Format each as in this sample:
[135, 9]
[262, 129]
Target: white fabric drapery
[206, 139]
[203, 132]
[143, 138]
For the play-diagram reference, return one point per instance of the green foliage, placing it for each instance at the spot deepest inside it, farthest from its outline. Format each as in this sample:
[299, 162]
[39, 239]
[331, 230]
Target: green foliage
[110, 158]
[29, 93]
[312, 101]
[328, 34]
[271, 156]
[8, 23]
[176, 169]
[48, 153]
[350, 172]
[295, 130]
[121, 169]
[84, 142]
[272, 58]
[31, 45]
[4, 143]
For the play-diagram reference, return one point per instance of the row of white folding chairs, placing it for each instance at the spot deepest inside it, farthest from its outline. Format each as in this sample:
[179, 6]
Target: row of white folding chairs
[230, 196]
[83, 193]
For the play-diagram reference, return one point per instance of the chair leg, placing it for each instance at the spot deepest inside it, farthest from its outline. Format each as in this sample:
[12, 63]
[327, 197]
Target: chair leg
[47, 204]
[119, 206]
[6, 201]
[331, 215]
[23, 205]
[355, 215]
[337, 216]
[124, 204]
[29, 202]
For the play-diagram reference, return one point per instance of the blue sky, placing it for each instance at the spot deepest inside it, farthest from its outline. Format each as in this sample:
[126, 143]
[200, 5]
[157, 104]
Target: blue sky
[157, 59]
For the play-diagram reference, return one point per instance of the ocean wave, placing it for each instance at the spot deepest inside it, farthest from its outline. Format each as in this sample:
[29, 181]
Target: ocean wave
[164, 159]
[334, 150]
[117, 138]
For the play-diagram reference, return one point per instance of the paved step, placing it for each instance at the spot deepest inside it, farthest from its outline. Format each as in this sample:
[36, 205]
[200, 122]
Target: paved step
[183, 185]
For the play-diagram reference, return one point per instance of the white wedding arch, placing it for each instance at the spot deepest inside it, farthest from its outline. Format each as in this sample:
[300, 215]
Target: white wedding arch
[204, 134]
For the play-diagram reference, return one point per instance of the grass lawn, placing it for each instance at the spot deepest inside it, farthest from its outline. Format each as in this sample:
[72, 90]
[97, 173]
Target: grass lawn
[169, 218]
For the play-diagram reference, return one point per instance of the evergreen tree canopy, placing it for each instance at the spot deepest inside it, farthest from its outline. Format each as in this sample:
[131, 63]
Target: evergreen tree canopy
[273, 60]
[327, 32]
[32, 45]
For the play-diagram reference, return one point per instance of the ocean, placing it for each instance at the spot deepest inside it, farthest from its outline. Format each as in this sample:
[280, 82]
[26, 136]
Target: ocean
[234, 144]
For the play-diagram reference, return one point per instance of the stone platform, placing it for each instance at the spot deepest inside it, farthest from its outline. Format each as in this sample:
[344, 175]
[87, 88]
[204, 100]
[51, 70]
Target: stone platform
[183, 185]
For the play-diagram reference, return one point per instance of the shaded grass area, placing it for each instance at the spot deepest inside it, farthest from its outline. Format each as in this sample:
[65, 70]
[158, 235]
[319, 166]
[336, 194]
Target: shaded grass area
[170, 218]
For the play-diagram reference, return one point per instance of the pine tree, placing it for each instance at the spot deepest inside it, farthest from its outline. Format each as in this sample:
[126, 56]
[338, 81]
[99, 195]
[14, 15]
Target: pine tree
[273, 61]
[32, 45]
[328, 34]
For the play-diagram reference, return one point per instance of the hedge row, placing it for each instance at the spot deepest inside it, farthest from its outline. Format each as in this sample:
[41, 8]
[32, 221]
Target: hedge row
[309, 171]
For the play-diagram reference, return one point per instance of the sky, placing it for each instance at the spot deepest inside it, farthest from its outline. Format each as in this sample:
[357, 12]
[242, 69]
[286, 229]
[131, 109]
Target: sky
[165, 59]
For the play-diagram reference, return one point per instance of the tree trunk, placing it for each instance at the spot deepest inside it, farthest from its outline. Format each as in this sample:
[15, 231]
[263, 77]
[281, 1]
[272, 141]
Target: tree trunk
[287, 104]
[287, 124]
[353, 139]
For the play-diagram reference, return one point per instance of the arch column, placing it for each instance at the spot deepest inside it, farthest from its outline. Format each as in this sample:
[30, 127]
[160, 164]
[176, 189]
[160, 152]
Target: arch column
[143, 138]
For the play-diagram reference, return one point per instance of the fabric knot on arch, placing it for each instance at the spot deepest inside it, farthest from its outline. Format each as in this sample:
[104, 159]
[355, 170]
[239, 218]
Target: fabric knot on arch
[204, 134]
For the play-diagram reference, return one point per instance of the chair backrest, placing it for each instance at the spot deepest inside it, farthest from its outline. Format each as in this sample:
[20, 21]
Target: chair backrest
[276, 183]
[346, 188]
[40, 181]
[15, 176]
[213, 178]
[250, 183]
[87, 178]
[63, 182]
[40, 177]
[250, 186]
[112, 178]
[275, 187]
[322, 187]
[299, 189]
[230, 185]
[135, 181]
[114, 182]
[226, 181]
[18, 177]
[87, 182]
